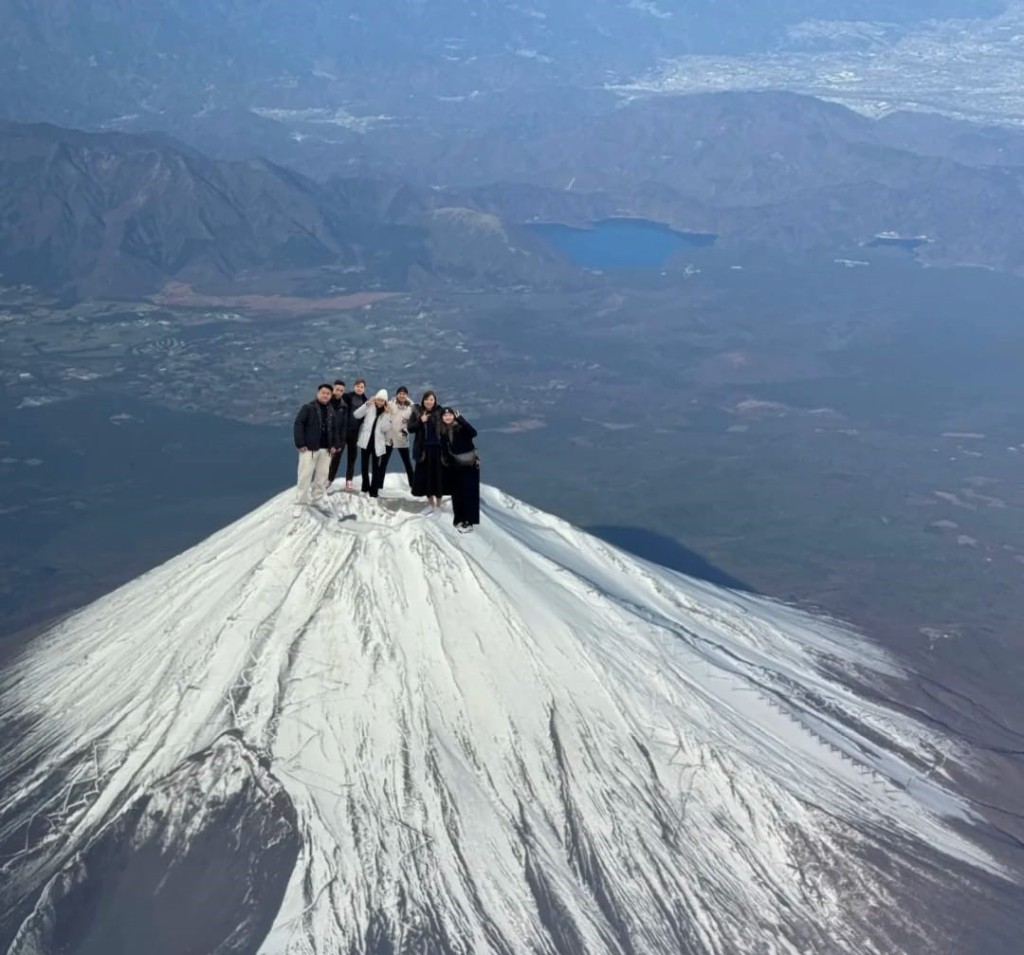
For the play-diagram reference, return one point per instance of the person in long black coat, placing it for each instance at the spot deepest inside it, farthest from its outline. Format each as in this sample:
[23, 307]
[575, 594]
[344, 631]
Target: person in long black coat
[462, 468]
[424, 425]
[354, 400]
[341, 412]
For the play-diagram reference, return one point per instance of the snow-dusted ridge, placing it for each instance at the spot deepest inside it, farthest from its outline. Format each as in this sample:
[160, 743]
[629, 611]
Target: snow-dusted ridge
[521, 740]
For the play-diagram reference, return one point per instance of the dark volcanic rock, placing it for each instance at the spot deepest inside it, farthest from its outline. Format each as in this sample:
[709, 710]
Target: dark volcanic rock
[199, 863]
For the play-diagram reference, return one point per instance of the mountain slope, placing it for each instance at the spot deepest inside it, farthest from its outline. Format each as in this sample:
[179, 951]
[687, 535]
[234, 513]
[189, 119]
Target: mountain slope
[522, 740]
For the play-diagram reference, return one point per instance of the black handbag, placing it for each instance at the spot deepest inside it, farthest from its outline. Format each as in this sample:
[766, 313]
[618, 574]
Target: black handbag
[466, 459]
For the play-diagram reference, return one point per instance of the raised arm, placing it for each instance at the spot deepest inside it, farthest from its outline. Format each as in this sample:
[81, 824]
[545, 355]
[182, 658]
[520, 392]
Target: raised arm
[469, 429]
[360, 412]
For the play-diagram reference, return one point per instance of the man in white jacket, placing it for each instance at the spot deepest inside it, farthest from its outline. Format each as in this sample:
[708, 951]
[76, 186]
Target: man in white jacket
[374, 433]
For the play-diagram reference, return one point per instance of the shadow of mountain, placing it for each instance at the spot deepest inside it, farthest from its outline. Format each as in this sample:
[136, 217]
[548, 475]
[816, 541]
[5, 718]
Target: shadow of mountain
[655, 547]
[198, 862]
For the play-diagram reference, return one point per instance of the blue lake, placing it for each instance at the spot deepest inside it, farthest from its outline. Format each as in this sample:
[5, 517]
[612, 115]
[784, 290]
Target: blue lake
[620, 243]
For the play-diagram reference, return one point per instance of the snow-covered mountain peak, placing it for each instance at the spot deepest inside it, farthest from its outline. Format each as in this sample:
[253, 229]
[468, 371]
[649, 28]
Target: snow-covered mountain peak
[518, 740]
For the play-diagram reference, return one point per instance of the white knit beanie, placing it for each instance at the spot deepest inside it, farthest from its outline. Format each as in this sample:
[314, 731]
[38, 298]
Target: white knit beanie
[381, 395]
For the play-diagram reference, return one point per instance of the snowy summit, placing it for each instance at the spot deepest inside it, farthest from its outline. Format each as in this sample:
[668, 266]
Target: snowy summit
[376, 735]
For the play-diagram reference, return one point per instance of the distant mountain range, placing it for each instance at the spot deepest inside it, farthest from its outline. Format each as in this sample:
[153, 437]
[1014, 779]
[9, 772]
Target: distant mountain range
[120, 213]
[778, 168]
[89, 63]
[110, 213]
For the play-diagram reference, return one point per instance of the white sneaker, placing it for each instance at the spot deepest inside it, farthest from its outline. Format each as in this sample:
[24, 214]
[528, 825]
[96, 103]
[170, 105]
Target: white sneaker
[297, 510]
[331, 489]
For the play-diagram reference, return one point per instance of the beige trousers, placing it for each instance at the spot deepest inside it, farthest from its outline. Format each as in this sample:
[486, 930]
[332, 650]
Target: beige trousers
[313, 468]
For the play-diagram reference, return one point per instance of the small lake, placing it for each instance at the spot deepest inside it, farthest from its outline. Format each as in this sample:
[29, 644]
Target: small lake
[620, 243]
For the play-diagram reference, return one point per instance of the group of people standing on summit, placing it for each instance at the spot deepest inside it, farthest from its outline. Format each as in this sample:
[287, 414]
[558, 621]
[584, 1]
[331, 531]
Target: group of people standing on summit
[443, 459]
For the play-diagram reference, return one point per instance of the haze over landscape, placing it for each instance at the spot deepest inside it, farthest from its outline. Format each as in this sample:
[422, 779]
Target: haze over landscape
[735, 287]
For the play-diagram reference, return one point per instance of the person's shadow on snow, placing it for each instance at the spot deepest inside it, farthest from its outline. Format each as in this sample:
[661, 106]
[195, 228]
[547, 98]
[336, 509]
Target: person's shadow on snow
[400, 505]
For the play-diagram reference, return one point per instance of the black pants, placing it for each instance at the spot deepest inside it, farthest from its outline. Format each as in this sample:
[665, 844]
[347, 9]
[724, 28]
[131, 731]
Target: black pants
[403, 453]
[429, 478]
[465, 491]
[353, 449]
[373, 470]
[332, 473]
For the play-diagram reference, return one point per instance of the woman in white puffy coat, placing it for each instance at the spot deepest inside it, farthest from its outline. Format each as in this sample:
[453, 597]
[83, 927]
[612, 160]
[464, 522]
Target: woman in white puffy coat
[401, 411]
[374, 435]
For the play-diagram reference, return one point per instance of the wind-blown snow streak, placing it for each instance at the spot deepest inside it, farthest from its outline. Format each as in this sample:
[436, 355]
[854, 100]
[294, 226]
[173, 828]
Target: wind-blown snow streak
[517, 740]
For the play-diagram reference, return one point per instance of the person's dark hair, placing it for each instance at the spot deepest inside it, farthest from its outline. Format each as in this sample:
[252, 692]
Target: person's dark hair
[359, 381]
[444, 426]
[338, 381]
[429, 394]
[400, 389]
[324, 384]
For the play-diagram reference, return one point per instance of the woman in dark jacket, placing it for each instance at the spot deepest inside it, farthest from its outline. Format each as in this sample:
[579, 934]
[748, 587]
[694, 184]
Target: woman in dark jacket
[425, 427]
[458, 454]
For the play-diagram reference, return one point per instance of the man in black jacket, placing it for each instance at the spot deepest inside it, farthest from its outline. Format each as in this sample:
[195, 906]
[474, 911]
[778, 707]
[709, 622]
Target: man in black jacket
[317, 436]
[340, 407]
[355, 399]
